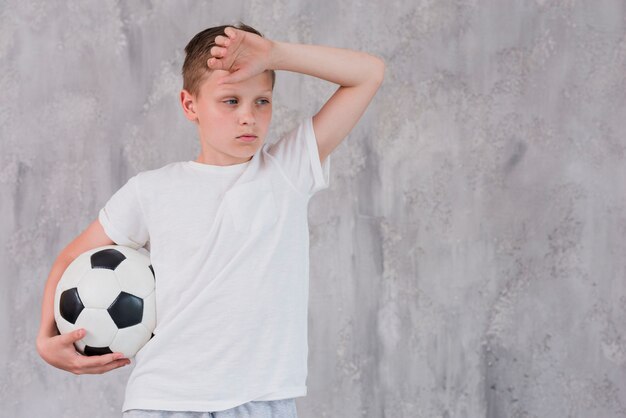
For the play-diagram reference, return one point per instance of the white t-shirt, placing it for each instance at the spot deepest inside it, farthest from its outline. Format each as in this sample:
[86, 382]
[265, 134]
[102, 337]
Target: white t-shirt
[229, 246]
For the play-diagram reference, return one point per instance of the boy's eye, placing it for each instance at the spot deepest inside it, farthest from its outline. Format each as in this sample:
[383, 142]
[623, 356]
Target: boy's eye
[265, 101]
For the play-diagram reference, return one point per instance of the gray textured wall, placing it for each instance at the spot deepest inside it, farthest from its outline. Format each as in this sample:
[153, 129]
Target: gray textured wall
[468, 259]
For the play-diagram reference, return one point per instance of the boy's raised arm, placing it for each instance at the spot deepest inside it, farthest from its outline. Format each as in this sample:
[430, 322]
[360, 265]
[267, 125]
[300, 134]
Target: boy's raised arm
[359, 75]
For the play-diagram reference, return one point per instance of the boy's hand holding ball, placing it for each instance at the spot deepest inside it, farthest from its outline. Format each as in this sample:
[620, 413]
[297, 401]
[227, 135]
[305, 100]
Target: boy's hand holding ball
[60, 352]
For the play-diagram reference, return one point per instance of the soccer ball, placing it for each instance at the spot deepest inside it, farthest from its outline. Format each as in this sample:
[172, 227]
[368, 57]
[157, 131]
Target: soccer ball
[110, 292]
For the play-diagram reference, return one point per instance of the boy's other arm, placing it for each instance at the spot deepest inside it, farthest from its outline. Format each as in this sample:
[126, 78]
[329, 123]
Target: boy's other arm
[58, 350]
[359, 75]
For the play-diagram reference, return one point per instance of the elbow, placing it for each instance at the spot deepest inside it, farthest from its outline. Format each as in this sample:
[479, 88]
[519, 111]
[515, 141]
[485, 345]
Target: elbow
[378, 73]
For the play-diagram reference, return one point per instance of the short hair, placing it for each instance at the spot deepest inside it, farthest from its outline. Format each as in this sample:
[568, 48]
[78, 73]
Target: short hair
[195, 67]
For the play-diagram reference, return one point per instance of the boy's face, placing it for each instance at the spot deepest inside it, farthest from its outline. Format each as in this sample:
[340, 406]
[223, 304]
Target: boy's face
[227, 111]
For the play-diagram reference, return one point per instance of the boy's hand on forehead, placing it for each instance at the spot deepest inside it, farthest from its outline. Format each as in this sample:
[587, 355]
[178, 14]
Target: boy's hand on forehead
[243, 54]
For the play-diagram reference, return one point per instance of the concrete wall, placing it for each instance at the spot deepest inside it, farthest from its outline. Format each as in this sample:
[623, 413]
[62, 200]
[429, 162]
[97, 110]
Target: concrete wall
[468, 259]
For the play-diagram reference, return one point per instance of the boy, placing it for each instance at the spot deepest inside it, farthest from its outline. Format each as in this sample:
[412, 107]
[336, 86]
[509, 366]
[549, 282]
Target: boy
[227, 233]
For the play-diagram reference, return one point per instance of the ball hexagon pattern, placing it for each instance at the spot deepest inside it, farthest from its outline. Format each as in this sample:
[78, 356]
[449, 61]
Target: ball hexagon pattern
[110, 292]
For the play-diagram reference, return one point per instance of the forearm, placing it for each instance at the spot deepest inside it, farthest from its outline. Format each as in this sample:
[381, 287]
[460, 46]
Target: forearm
[337, 65]
[48, 326]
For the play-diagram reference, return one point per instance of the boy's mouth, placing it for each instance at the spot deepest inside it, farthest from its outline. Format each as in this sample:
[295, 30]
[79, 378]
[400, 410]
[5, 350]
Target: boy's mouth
[247, 138]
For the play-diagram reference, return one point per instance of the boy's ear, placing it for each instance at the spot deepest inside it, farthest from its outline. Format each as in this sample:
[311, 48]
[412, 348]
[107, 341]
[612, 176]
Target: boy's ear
[187, 101]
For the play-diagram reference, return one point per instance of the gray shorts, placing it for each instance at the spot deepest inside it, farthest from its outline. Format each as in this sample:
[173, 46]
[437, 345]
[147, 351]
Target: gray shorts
[281, 408]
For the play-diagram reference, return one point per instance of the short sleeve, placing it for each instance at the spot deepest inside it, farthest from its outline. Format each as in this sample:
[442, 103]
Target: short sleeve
[122, 217]
[297, 155]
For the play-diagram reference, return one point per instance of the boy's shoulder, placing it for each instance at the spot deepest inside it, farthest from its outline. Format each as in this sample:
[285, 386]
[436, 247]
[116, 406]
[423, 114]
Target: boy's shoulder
[159, 172]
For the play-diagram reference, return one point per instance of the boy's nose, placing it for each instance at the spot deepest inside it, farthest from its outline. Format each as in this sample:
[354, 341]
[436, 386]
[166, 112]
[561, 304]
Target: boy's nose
[246, 117]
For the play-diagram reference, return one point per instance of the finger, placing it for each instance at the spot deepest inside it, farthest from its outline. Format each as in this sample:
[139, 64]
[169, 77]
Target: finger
[215, 64]
[230, 32]
[99, 361]
[222, 40]
[73, 336]
[106, 368]
[233, 77]
[217, 51]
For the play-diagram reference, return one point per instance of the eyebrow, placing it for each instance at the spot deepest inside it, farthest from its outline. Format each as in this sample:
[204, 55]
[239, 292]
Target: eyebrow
[230, 91]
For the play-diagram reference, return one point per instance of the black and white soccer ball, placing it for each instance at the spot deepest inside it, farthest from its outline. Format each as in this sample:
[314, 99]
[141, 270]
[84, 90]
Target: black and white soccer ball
[110, 292]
